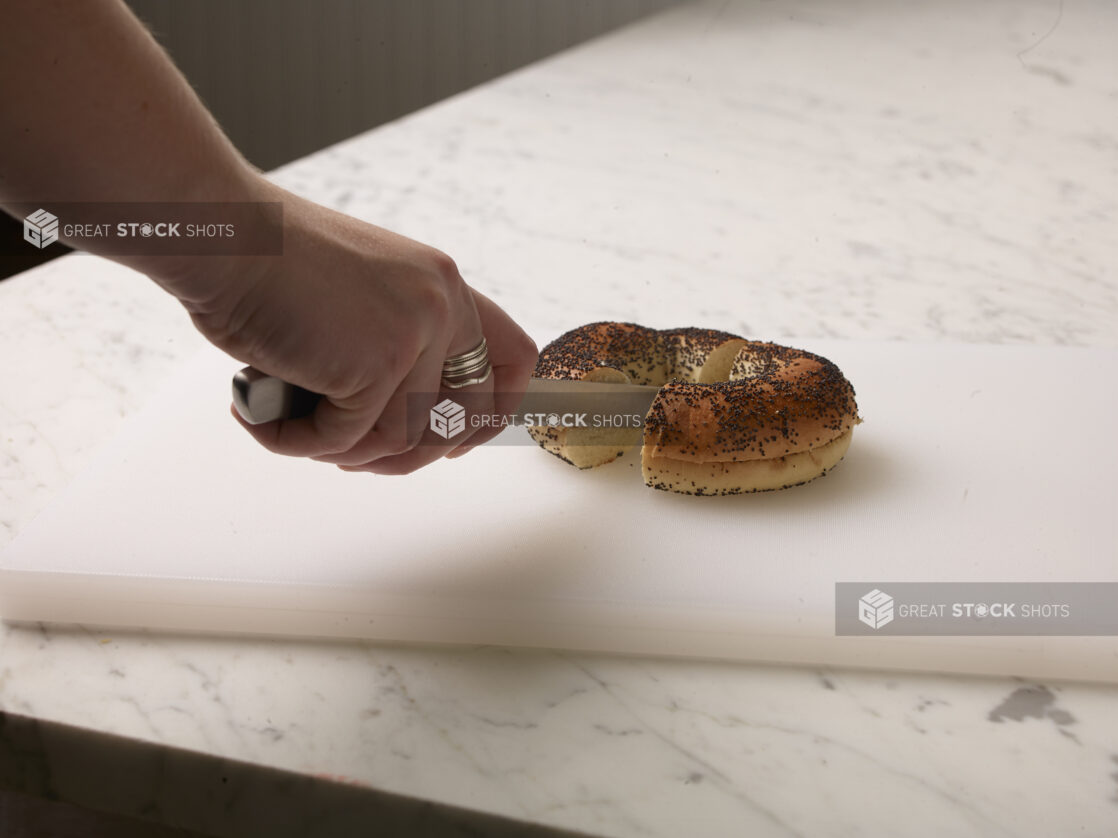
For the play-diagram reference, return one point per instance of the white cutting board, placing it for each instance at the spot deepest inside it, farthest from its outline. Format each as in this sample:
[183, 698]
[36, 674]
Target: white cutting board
[973, 464]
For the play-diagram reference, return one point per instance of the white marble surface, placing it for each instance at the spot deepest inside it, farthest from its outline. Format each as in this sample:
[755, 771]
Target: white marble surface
[942, 172]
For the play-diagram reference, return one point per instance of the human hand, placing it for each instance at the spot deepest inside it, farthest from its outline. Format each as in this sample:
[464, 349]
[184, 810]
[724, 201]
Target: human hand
[349, 310]
[364, 317]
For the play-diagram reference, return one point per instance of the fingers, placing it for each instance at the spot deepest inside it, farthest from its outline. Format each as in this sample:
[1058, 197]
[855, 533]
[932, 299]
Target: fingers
[433, 446]
[391, 430]
[410, 408]
[513, 355]
[498, 380]
[335, 426]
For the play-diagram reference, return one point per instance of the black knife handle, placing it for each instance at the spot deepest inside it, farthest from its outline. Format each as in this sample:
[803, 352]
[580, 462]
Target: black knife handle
[261, 398]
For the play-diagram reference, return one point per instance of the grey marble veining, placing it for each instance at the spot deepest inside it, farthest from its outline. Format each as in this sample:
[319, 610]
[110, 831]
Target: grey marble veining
[936, 172]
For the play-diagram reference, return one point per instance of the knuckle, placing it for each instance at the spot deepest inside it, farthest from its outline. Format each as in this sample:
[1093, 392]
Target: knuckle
[444, 265]
[448, 291]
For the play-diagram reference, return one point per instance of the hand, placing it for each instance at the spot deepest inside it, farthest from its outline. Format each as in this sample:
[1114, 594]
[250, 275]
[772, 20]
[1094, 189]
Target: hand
[351, 311]
[365, 317]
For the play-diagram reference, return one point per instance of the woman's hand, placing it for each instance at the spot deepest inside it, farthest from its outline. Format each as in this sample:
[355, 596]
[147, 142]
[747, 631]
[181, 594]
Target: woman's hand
[365, 317]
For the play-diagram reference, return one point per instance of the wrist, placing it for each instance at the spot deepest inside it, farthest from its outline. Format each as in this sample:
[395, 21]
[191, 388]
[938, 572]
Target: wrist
[206, 282]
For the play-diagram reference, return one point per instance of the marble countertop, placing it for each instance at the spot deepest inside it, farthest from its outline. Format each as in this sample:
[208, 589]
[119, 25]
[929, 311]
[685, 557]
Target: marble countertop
[940, 172]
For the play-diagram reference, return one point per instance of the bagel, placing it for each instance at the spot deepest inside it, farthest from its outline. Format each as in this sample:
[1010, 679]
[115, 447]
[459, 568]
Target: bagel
[731, 416]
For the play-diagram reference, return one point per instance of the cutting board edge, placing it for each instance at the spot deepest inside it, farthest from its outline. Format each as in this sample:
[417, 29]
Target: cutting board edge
[1062, 659]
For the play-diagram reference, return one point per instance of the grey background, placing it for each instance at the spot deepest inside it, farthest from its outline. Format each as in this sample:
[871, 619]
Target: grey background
[287, 77]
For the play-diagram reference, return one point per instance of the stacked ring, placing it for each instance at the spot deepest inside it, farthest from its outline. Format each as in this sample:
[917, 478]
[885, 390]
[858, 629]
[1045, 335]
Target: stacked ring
[472, 367]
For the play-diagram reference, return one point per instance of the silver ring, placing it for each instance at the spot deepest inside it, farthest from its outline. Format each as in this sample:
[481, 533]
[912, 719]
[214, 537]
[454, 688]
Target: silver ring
[475, 359]
[462, 370]
[459, 383]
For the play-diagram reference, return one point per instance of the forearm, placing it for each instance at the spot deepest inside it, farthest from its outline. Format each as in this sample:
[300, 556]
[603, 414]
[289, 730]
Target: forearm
[93, 110]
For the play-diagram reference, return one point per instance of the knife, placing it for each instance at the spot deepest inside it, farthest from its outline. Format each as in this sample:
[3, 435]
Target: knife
[260, 398]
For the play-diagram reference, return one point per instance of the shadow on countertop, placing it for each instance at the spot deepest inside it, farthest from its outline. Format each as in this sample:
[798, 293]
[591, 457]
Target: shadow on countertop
[70, 782]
